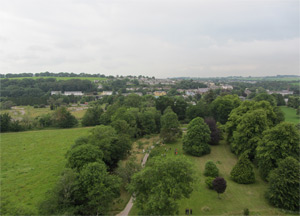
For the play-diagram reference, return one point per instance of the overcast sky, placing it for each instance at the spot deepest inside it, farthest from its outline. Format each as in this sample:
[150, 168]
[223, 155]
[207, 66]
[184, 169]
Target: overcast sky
[161, 38]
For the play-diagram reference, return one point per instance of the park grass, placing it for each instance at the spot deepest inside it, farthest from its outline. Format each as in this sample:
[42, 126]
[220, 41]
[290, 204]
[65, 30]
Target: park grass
[31, 163]
[290, 114]
[236, 197]
[61, 78]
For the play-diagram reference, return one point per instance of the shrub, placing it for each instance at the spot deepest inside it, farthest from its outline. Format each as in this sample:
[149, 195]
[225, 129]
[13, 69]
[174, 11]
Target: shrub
[211, 169]
[209, 182]
[242, 172]
[246, 211]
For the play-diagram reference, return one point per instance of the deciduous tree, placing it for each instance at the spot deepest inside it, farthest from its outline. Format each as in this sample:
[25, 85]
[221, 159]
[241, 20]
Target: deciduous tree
[163, 182]
[196, 140]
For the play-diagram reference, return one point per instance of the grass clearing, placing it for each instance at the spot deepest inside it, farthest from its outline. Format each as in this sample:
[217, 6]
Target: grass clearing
[61, 78]
[236, 197]
[31, 163]
[290, 114]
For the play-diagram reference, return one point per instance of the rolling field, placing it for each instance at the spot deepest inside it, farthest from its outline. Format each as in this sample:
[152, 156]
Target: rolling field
[31, 163]
[290, 115]
[236, 197]
[61, 78]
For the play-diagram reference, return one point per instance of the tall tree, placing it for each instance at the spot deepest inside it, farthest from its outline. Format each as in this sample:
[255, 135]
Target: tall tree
[249, 132]
[92, 116]
[277, 144]
[196, 140]
[284, 184]
[160, 185]
[97, 189]
[242, 172]
[222, 106]
[215, 132]
[170, 129]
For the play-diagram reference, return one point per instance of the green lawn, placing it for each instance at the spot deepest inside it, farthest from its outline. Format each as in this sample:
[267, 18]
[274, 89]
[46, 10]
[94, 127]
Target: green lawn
[236, 197]
[290, 114]
[63, 78]
[31, 163]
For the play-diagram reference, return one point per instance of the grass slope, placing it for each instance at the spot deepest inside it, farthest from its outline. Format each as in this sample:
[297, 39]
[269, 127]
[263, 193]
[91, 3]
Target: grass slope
[30, 165]
[290, 114]
[62, 78]
[236, 197]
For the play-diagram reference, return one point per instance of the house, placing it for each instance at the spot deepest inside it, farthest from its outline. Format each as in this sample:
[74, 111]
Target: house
[247, 92]
[159, 93]
[107, 93]
[55, 92]
[75, 93]
[202, 90]
[227, 87]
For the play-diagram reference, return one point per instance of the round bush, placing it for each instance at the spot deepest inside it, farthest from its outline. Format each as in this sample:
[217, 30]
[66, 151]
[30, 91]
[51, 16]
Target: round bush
[211, 169]
[209, 182]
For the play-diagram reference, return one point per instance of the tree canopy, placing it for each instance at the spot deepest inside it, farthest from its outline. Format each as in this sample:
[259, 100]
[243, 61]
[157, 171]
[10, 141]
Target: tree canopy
[161, 183]
[284, 184]
[196, 140]
[277, 144]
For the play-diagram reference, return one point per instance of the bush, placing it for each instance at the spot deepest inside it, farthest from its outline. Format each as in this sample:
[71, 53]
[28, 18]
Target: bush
[246, 211]
[209, 182]
[211, 169]
[242, 172]
[63, 118]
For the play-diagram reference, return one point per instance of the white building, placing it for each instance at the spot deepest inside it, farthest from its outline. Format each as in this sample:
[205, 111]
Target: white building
[55, 92]
[75, 93]
[107, 93]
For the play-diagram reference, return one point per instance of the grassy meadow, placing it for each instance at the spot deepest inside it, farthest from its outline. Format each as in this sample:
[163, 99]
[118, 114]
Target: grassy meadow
[61, 78]
[236, 197]
[31, 163]
[290, 114]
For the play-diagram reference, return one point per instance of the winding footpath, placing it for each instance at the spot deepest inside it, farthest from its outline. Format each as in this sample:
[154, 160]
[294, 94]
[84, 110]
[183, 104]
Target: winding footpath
[129, 205]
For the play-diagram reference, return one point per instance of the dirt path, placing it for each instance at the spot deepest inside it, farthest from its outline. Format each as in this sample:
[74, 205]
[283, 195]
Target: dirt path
[129, 205]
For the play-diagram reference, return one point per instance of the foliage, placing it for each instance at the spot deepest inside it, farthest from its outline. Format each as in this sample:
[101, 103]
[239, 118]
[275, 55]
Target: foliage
[236, 115]
[277, 144]
[222, 106]
[242, 172]
[279, 99]
[294, 101]
[170, 129]
[266, 97]
[61, 199]
[125, 172]
[284, 183]
[5, 121]
[63, 118]
[45, 120]
[114, 147]
[161, 184]
[6, 105]
[195, 142]
[199, 110]
[83, 154]
[211, 169]
[97, 189]
[215, 132]
[219, 185]
[249, 132]
[246, 212]
[92, 116]
[209, 182]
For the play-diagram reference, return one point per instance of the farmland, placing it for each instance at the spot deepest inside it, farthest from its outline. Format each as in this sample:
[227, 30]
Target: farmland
[30, 165]
[236, 197]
